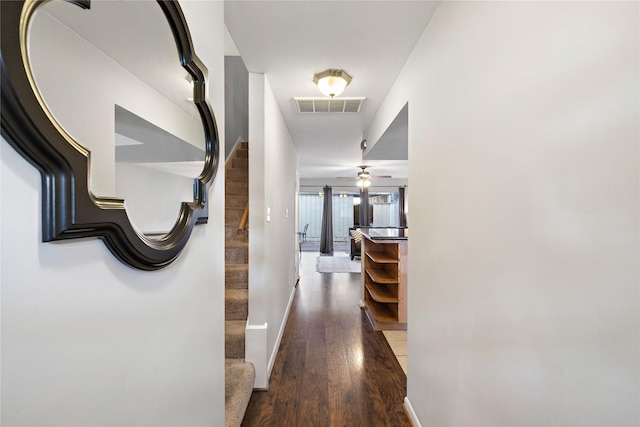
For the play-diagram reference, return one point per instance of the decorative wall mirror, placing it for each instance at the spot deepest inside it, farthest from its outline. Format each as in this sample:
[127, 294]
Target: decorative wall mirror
[113, 121]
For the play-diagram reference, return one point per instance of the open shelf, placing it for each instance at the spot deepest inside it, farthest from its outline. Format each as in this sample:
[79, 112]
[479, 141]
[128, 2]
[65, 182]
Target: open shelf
[380, 275]
[382, 258]
[382, 293]
[382, 312]
[383, 316]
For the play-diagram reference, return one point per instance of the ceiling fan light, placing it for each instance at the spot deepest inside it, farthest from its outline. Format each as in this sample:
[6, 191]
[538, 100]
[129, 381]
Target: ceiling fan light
[332, 82]
[362, 182]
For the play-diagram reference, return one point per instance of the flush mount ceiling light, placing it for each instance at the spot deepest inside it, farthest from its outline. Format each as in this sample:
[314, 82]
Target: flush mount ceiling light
[332, 82]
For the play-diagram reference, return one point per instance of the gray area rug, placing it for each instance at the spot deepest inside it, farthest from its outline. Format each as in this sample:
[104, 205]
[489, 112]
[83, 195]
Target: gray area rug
[337, 264]
[315, 247]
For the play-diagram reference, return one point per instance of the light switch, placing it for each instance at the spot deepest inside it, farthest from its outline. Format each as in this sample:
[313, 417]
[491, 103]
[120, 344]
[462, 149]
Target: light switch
[268, 214]
[286, 213]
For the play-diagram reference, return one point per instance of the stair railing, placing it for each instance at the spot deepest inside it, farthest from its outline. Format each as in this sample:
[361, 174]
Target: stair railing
[245, 219]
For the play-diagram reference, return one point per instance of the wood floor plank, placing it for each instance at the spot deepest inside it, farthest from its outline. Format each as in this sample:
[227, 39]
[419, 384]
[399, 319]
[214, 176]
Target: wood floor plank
[331, 369]
[343, 399]
[286, 397]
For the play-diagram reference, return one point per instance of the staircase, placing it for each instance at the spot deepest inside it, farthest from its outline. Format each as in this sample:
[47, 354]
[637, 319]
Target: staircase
[239, 375]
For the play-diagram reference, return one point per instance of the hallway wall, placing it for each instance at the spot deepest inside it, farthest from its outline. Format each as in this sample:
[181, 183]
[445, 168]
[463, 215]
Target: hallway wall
[524, 248]
[87, 340]
[273, 251]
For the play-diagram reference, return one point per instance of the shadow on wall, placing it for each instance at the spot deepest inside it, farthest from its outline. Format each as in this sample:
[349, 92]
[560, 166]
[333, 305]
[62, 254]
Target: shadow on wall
[236, 102]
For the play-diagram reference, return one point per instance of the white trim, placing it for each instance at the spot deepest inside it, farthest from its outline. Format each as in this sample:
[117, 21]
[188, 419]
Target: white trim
[274, 353]
[255, 351]
[411, 412]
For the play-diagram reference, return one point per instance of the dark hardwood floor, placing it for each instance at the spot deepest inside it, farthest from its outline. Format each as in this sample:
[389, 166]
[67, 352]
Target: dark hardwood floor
[332, 369]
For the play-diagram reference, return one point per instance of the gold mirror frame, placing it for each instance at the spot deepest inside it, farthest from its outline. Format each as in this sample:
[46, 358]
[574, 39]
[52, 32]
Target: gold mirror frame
[69, 208]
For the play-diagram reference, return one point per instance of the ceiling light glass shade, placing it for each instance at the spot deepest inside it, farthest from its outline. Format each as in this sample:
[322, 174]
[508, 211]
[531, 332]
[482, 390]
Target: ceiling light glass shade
[363, 182]
[332, 82]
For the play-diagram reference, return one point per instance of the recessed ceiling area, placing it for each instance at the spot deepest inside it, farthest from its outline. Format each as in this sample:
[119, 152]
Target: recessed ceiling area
[139, 141]
[394, 142]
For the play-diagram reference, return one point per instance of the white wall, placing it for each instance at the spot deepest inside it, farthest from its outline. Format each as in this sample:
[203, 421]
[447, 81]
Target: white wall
[281, 161]
[154, 210]
[87, 340]
[272, 243]
[257, 201]
[524, 248]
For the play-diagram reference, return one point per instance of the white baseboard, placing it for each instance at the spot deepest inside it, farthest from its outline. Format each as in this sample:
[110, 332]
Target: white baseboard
[411, 412]
[274, 353]
[255, 351]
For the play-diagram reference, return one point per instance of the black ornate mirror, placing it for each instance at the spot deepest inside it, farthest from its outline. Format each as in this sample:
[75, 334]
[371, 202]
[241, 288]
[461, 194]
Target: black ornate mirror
[169, 139]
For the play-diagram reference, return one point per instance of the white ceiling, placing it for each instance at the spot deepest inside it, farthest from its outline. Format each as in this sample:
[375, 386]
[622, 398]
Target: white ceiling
[289, 41]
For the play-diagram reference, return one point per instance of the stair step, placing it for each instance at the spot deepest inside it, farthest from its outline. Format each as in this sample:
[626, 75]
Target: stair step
[236, 304]
[238, 386]
[232, 234]
[242, 153]
[243, 145]
[236, 201]
[234, 338]
[233, 215]
[236, 174]
[237, 187]
[236, 253]
[240, 163]
[236, 276]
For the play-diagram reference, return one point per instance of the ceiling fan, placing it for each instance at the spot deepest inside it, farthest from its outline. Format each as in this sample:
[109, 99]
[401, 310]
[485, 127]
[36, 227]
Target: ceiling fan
[364, 177]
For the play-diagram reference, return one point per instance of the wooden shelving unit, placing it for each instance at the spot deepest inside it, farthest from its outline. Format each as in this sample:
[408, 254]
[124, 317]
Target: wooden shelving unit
[384, 282]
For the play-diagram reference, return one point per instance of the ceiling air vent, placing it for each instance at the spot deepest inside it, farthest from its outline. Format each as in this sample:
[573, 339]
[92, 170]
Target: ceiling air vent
[329, 105]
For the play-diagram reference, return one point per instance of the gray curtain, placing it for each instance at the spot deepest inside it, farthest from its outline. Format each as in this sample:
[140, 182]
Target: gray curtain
[364, 207]
[401, 207]
[326, 235]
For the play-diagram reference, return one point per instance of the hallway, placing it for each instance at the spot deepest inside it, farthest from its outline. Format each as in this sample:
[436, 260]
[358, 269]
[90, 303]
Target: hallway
[332, 369]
